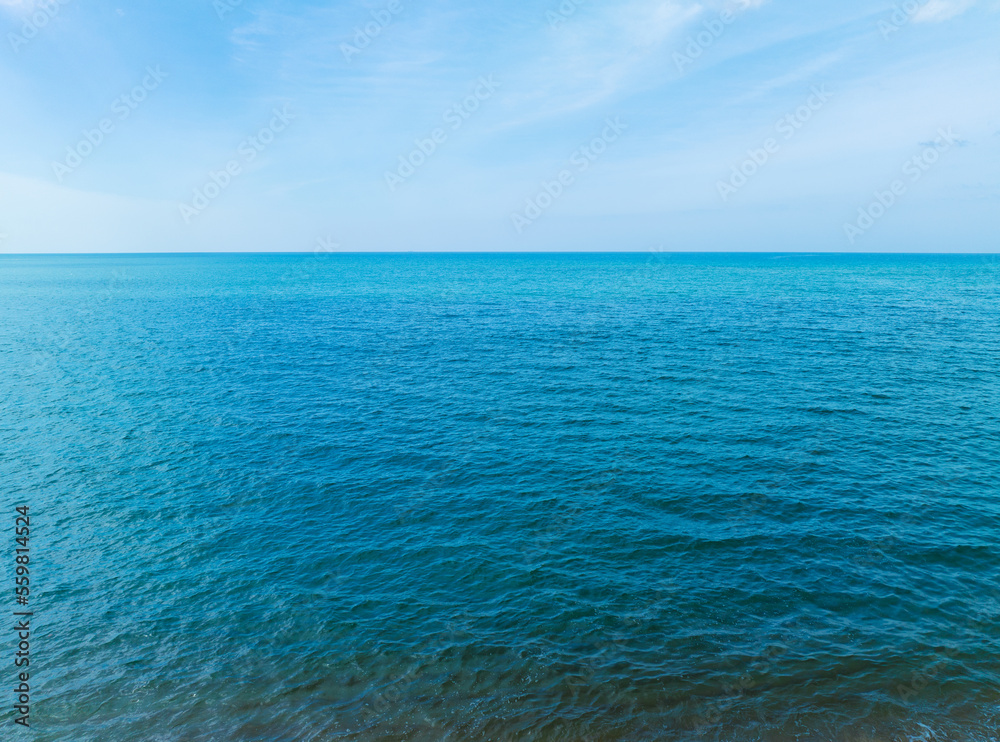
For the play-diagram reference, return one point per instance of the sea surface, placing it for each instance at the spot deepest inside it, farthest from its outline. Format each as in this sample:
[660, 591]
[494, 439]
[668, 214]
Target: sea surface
[504, 497]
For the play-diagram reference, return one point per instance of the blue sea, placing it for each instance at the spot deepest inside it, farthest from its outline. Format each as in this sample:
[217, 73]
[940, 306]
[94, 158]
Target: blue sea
[505, 497]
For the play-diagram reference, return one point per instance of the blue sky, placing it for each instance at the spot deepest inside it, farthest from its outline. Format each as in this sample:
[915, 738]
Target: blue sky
[510, 125]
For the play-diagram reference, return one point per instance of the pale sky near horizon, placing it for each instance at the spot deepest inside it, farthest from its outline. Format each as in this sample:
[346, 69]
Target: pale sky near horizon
[547, 125]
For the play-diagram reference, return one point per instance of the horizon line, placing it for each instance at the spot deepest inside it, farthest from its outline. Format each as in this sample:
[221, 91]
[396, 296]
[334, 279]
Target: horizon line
[491, 252]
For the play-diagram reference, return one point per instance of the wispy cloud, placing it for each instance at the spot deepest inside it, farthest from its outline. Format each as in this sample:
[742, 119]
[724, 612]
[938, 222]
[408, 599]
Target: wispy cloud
[557, 82]
[936, 11]
[805, 72]
[617, 50]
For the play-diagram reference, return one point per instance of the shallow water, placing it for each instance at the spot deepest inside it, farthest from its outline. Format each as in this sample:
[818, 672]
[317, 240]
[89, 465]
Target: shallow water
[471, 497]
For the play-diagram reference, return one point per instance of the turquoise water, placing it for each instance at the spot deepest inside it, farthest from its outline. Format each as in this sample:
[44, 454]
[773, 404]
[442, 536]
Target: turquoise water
[470, 497]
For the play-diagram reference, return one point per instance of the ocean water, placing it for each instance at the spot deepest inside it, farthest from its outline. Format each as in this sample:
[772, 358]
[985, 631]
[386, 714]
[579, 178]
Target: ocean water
[514, 497]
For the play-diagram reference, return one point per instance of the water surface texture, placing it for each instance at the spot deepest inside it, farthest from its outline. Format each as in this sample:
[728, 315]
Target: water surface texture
[538, 497]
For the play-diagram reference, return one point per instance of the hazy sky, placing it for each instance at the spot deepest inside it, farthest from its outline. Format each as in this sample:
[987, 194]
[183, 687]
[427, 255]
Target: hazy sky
[503, 125]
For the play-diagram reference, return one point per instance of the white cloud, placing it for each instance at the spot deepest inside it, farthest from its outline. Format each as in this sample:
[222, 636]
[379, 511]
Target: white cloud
[618, 48]
[936, 11]
[647, 24]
